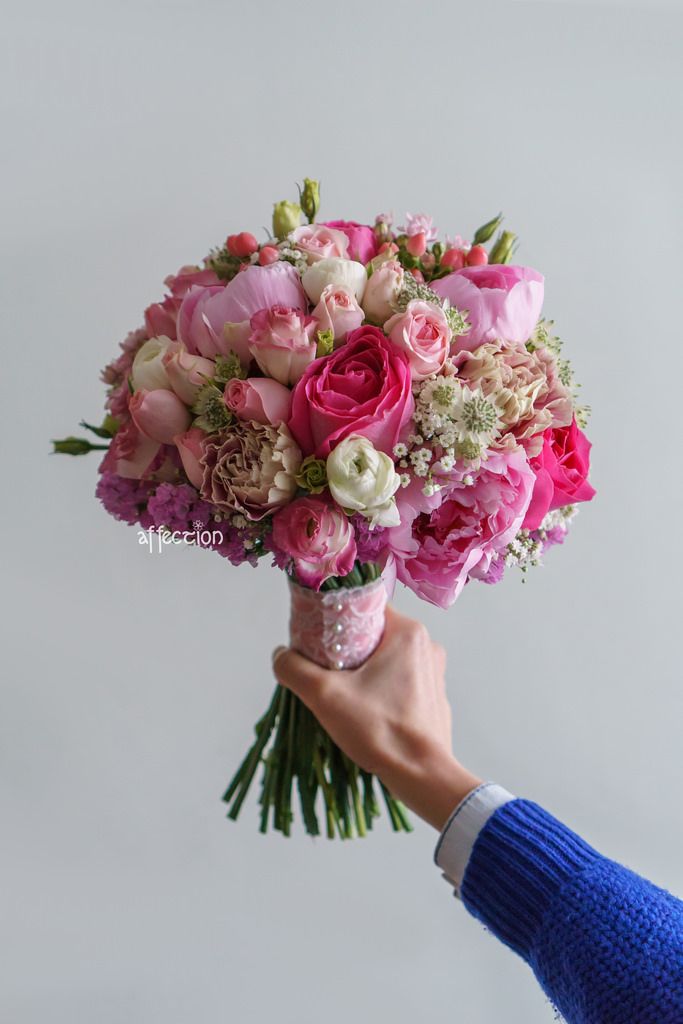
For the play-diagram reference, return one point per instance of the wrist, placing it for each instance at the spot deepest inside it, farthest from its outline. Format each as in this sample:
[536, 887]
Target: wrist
[432, 786]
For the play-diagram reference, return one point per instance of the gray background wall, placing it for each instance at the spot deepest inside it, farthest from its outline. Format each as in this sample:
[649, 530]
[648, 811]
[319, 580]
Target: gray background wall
[136, 135]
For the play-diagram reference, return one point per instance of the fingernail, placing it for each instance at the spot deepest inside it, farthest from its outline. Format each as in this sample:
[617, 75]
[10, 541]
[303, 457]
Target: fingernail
[280, 649]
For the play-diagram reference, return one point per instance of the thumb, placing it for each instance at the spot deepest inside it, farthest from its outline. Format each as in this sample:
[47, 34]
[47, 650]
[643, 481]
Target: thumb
[300, 675]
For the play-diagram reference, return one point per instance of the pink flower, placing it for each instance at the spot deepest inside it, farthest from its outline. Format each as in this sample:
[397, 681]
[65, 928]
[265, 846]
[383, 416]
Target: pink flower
[455, 534]
[204, 312]
[502, 302]
[319, 539]
[420, 224]
[382, 290]
[130, 453]
[361, 238]
[283, 342]
[260, 399]
[338, 311]
[161, 317]
[561, 473]
[422, 332]
[362, 388]
[159, 415]
[190, 447]
[187, 373]
[318, 242]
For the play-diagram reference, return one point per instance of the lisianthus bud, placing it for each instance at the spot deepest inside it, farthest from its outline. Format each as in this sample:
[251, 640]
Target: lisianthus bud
[502, 250]
[312, 475]
[286, 217]
[309, 197]
[75, 446]
[487, 230]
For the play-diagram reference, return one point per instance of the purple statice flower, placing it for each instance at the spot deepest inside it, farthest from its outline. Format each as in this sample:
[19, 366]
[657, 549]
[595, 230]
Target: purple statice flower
[371, 544]
[495, 572]
[549, 538]
[232, 545]
[125, 499]
[178, 507]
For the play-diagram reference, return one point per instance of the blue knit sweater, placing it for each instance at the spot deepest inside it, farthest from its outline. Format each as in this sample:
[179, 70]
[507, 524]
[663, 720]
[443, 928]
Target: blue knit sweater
[605, 945]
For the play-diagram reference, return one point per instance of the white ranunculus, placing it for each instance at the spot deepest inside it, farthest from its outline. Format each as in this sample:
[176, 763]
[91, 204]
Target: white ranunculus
[334, 270]
[364, 480]
[148, 370]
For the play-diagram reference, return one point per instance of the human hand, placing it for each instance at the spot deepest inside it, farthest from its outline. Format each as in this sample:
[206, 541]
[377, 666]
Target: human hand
[391, 716]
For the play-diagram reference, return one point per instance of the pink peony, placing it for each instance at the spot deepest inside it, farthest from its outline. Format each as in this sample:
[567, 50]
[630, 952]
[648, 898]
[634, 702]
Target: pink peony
[190, 447]
[502, 302]
[283, 342]
[159, 415]
[318, 242]
[338, 311]
[422, 332]
[361, 237]
[161, 317]
[260, 399]
[444, 539]
[204, 312]
[561, 473]
[362, 388]
[317, 537]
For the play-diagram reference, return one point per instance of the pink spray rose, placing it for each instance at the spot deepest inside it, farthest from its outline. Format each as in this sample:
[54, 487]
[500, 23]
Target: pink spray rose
[338, 311]
[283, 342]
[159, 414]
[319, 539]
[362, 388]
[502, 302]
[187, 373]
[382, 290]
[361, 238]
[318, 242]
[422, 332]
[204, 312]
[444, 539]
[130, 453]
[260, 399]
[561, 473]
[190, 447]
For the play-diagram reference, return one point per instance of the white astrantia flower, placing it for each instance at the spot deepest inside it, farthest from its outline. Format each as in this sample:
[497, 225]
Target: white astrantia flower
[334, 270]
[363, 480]
[148, 370]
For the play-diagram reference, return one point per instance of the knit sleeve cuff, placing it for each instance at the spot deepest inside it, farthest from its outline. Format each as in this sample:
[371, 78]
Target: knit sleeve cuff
[519, 861]
[460, 832]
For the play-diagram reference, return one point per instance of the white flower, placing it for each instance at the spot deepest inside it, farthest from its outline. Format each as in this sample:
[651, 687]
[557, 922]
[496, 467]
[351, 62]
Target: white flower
[364, 480]
[334, 270]
[148, 370]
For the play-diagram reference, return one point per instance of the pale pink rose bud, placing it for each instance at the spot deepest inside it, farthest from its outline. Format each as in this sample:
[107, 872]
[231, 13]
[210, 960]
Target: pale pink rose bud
[318, 242]
[416, 244]
[259, 399]
[159, 414]
[423, 334]
[187, 373]
[283, 342]
[190, 448]
[382, 290]
[338, 311]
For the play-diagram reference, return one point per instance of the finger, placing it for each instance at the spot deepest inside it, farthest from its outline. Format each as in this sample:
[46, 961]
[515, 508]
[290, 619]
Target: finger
[300, 675]
[439, 654]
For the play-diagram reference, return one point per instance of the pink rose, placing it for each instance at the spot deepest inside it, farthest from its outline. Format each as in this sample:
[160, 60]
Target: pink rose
[338, 311]
[382, 290]
[283, 342]
[502, 302]
[260, 399]
[318, 242]
[361, 239]
[187, 373]
[422, 332]
[159, 414]
[130, 453]
[204, 312]
[561, 471]
[190, 447]
[362, 388]
[445, 539]
[319, 539]
[161, 317]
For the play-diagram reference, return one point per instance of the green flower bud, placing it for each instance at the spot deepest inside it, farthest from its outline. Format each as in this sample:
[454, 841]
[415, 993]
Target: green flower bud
[438, 250]
[286, 217]
[312, 475]
[76, 446]
[487, 230]
[325, 343]
[107, 429]
[309, 197]
[502, 250]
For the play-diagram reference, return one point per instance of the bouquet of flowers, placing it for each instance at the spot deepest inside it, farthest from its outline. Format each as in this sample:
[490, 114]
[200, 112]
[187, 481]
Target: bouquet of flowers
[353, 404]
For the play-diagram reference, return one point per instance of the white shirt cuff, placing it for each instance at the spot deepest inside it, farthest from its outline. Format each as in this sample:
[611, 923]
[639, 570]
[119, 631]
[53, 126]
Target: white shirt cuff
[460, 832]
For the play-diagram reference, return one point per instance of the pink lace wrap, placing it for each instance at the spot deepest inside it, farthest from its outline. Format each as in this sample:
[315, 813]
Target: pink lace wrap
[337, 628]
